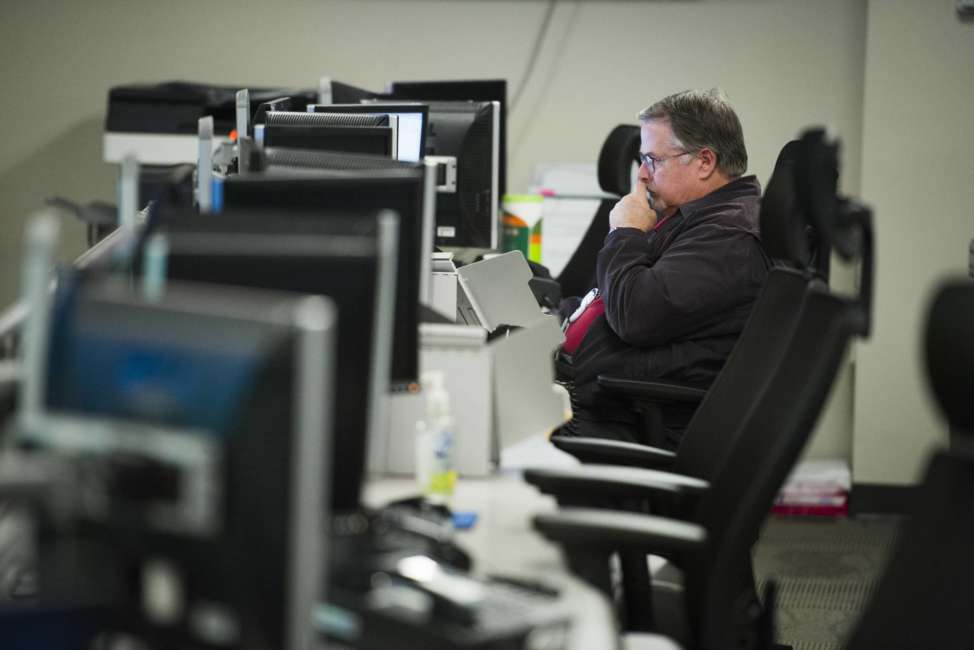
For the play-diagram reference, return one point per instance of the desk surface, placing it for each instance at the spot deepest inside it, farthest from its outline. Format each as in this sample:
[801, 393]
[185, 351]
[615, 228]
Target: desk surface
[503, 542]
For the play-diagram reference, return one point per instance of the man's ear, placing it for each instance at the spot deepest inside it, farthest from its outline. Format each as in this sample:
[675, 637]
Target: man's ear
[708, 163]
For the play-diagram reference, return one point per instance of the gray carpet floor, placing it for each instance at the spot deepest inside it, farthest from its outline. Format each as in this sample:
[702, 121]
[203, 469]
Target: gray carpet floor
[825, 571]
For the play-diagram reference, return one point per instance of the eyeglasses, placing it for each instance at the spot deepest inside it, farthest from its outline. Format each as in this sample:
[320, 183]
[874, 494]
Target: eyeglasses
[652, 161]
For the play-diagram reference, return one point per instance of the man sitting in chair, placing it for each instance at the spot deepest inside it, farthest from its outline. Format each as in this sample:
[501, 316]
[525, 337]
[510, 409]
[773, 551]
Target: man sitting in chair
[679, 270]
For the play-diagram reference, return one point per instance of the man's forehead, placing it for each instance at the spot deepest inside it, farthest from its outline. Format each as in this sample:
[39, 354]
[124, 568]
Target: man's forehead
[656, 133]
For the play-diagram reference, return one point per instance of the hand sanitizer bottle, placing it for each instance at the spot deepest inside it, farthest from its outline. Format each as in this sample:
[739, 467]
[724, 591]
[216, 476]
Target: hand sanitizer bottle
[435, 440]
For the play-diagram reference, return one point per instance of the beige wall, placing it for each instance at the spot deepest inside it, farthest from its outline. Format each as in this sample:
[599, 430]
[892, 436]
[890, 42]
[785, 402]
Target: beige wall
[784, 63]
[917, 173]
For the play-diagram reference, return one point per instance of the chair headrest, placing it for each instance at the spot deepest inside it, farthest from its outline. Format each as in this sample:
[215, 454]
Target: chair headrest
[784, 229]
[619, 151]
[802, 211]
[950, 353]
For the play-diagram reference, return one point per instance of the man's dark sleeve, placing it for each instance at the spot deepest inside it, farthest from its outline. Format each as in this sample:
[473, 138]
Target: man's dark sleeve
[701, 276]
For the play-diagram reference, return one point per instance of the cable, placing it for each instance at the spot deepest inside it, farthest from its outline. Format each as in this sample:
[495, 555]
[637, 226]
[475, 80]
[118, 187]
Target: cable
[540, 90]
[535, 52]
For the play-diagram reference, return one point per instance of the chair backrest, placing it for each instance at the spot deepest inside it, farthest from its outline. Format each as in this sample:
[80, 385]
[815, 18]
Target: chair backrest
[795, 239]
[925, 594]
[950, 353]
[619, 151]
[776, 430]
[924, 597]
[712, 432]
[766, 449]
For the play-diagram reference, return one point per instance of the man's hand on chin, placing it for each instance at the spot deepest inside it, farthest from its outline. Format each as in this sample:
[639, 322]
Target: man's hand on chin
[633, 211]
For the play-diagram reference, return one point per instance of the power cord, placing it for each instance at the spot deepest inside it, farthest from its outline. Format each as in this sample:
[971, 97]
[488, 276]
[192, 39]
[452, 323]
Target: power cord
[535, 53]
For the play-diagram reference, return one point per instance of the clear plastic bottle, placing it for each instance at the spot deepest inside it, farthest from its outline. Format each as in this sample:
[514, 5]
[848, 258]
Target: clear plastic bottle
[435, 442]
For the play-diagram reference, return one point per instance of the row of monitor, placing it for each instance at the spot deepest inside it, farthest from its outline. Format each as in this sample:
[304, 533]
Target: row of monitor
[153, 369]
[196, 428]
[205, 408]
[171, 108]
[461, 138]
[289, 221]
[460, 125]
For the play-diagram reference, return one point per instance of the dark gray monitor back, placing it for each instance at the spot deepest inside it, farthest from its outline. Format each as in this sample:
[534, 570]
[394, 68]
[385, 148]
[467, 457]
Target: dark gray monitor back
[412, 128]
[213, 374]
[334, 257]
[465, 130]
[478, 90]
[371, 140]
[379, 185]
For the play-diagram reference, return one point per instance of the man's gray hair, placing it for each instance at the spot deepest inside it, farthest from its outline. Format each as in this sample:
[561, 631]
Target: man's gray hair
[704, 119]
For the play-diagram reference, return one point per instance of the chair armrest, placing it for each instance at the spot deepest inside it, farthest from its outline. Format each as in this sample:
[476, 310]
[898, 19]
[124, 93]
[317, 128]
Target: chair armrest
[594, 481]
[651, 391]
[583, 527]
[546, 291]
[615, 452]
[564, 371]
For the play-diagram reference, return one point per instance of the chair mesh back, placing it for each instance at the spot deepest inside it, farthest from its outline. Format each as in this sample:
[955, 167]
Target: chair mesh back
[712, 432]
[773, 434]
[769, 444]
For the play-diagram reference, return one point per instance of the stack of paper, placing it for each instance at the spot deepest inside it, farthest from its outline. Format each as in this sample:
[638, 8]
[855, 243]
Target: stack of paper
[818, 488]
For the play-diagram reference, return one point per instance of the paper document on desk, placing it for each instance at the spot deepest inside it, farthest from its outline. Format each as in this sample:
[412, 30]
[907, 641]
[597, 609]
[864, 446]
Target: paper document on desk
[524, 402]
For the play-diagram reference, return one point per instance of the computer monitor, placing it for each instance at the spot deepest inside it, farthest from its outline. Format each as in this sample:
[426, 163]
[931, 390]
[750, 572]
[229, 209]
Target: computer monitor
[413, 118]
[357, 185]
[463, 140]
[198, 426]
[349, 259]
[351, 133]
[478, 90]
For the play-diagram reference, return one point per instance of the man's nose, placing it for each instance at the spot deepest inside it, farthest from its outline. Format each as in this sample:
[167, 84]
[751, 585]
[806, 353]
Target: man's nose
[644, 173]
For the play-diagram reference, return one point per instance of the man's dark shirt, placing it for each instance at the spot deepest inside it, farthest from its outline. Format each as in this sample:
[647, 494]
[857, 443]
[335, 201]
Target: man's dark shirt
[676, 299]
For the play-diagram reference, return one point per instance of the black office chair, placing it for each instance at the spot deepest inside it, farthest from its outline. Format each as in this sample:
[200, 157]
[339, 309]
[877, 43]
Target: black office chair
[619, 152]
[790, 239]
[711, 432]
[952, 319]
[713, 546]
[924, 597]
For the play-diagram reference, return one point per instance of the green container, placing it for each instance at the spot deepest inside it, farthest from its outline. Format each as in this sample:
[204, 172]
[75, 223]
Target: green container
[521, 224]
